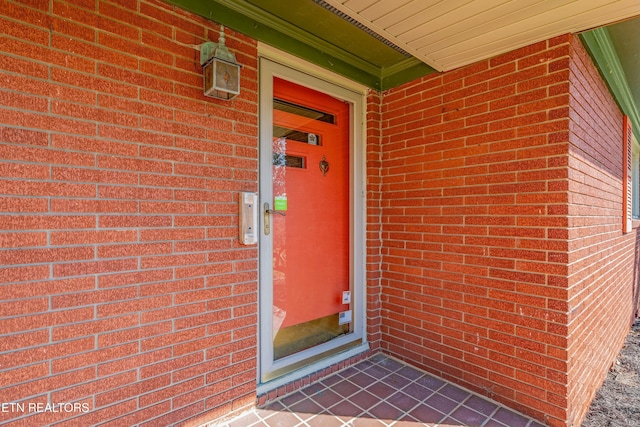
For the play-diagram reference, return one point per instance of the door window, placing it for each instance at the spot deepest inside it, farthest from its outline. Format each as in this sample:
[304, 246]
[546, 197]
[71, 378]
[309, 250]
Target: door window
[311, 284]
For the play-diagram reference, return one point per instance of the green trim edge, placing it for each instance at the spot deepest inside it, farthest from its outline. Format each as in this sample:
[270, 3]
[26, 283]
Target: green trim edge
[600, 47]
[260, 25]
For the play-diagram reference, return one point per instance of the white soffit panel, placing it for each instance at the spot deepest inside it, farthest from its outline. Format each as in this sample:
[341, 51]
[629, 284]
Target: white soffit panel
[448, 34]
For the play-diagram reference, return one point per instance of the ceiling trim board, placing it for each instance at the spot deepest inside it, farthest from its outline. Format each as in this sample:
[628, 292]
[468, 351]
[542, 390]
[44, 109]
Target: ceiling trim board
[253, 12]
[403, 72]
[249, 20]
[265, 27]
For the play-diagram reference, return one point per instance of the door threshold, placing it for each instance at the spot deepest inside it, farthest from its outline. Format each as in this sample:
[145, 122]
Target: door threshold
[272, 384]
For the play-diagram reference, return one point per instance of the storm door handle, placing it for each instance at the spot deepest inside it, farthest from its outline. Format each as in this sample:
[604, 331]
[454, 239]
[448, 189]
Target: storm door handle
[267, 218]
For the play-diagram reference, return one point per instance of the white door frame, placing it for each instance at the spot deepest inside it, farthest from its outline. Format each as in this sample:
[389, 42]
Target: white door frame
[272, 373]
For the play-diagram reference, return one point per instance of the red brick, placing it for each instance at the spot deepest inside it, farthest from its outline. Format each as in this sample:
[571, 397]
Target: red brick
[34, 188]
[93, 206]
[135, 389]
[120, 192]
[92, 358]
[177, 415]
[114, 162]
[203, 319]
[136, 20]
[23, 136]
[172, 234]
[60, 238]
[134, 278]
[24, 374]
[21, 204]
[35, 256]
[89, 82]
[38, 155]
[133, 106]
[96, 415]
[172, 365]
[181, 103]
[215, 345]
[517, 252]
[133, 48]
[173, 339]
[79, 391]
[188, 76]
[213, 172]
[171, 207]
[19, 392]
[92, 114]
[141, 415]
[40, 121]
[93, 146]
[73, 29]
[45, 352]
[133, 362]
[201, 368]
[23, 340]
[23, 307]
[94, 297]
[42, 88]
[28, 14]
[35, 288]
[93, 328]
[77, 147]
[172, 312]
[133, 334]
[547, 56]
[172, 391]
[206, 391]
[470, 206]
[94, 267]
[132, 306]
[133, 221]
[20, 240]
[128, 250]
[141, 79]
[23, 102]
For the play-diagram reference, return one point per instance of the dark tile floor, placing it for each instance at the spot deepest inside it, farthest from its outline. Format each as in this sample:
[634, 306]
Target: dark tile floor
[382, 392]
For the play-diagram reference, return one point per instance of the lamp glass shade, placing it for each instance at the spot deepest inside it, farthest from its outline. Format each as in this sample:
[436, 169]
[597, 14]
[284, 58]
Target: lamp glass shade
[221, 79]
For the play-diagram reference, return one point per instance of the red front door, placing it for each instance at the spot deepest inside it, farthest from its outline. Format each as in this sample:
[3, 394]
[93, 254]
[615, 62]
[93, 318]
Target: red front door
[310, 222]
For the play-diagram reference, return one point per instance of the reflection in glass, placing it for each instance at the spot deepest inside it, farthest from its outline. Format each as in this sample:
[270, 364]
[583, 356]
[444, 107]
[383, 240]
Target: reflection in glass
[302, 336]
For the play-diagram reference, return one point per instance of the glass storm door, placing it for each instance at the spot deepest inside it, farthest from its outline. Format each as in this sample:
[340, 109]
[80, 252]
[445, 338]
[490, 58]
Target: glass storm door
[306, 244]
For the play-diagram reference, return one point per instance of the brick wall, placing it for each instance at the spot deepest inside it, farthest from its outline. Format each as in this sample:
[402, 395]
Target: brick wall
[602, 260]
[123, 285]
[481, 266]
[374, 240]
[493, 212]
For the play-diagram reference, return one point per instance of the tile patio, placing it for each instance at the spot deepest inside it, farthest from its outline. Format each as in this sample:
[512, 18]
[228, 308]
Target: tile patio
[382, 392]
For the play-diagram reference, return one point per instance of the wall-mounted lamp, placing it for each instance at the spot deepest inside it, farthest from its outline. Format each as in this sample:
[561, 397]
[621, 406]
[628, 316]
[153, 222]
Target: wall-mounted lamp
[220, 68]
